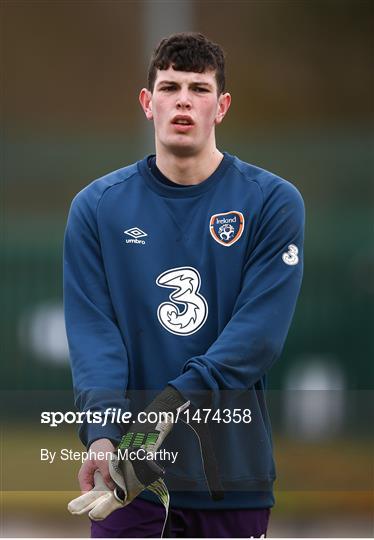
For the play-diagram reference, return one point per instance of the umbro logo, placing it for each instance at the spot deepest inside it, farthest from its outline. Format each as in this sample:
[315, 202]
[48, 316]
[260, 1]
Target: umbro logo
[135, 234]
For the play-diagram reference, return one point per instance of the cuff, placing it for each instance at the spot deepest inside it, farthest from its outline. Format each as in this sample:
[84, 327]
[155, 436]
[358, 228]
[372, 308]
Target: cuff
[89, 433]
[191, 385]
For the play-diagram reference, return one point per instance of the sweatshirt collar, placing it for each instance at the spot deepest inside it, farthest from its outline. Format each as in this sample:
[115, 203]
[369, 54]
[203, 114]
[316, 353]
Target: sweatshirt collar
[189, 191]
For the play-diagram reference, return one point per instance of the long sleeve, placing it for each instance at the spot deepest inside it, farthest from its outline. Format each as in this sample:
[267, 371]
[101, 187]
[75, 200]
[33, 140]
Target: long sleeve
[97, 350]
[254, 336]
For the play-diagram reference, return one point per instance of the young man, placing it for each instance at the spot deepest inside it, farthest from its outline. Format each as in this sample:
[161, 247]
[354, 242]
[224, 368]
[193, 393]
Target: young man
[181, 277]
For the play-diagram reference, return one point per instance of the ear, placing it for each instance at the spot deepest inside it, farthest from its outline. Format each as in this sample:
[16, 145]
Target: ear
[145, 98]
[224, 102]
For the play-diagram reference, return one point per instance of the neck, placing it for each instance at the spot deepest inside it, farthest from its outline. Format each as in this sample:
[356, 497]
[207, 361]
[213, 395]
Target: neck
[188, 169]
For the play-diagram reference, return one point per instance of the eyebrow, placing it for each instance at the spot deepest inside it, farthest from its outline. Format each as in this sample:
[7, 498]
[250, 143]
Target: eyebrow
[197, 83]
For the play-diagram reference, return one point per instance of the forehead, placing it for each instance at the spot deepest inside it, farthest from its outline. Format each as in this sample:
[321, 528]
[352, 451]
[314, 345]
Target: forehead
[183, 77]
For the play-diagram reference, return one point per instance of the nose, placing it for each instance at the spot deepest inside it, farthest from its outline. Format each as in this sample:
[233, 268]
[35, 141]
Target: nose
[183, 101]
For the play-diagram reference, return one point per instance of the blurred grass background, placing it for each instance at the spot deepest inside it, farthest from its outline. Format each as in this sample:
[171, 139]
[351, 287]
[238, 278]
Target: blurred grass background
[302, 83]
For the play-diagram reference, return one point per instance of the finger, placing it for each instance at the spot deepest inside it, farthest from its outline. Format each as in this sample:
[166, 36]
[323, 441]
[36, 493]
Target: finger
[104, 507]
[86, 476]
[85, 502]
[104, 469]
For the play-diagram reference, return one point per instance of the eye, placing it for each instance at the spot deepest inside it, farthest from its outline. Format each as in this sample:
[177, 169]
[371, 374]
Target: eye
[201, 89]
[168, 88]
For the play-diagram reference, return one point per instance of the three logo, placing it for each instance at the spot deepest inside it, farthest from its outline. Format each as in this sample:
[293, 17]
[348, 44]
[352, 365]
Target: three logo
[291, 257]
[186, 283]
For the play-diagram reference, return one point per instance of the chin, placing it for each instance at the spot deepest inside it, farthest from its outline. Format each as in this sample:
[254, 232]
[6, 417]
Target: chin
[182, 150]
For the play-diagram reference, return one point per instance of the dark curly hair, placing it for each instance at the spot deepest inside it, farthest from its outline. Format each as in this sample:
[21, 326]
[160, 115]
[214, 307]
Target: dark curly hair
[188, 51]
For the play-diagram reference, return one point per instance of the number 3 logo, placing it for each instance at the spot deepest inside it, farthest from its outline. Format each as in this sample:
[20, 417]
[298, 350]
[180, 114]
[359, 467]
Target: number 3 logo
[190, 318]
[291, 257]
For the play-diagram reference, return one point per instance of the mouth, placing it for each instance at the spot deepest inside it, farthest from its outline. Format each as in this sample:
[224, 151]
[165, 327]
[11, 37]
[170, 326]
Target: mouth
[182, 122]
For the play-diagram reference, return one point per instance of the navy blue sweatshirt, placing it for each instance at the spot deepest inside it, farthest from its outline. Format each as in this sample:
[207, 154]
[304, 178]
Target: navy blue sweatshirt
[195, 287]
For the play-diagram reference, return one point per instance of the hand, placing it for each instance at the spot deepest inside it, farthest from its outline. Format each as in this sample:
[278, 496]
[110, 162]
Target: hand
[108, 486]
[132, 476]
[87, 471]
[99, 501]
